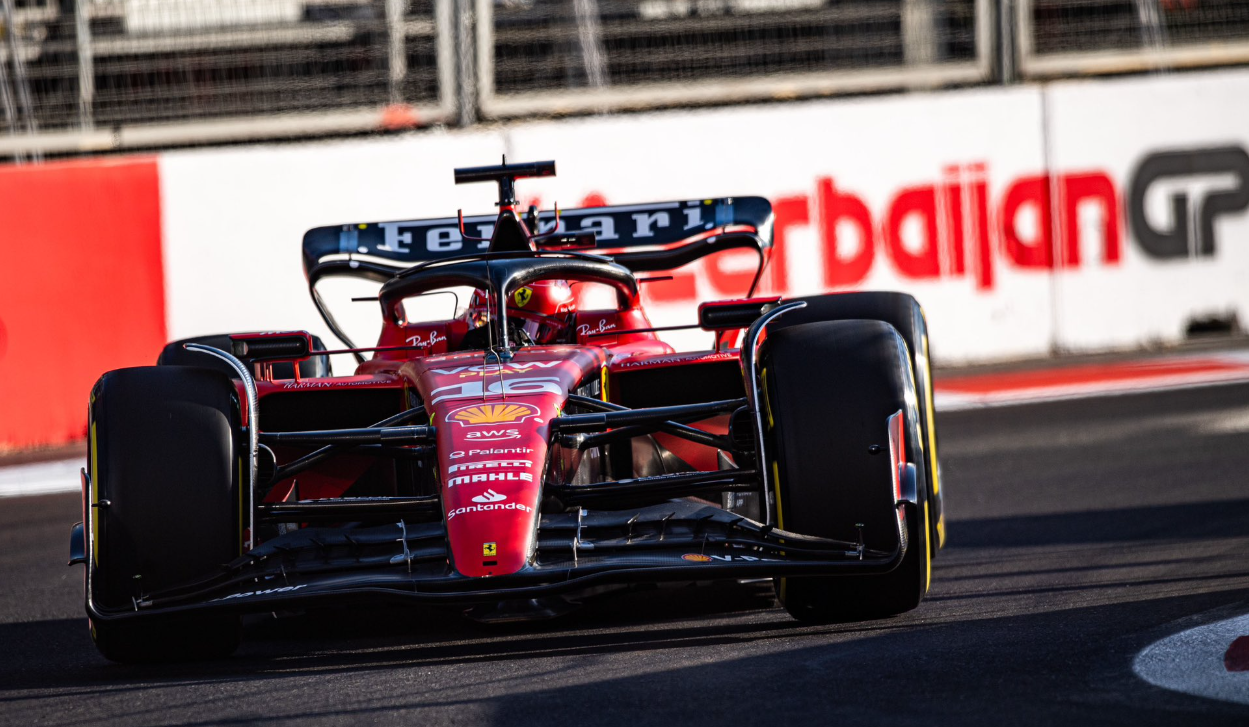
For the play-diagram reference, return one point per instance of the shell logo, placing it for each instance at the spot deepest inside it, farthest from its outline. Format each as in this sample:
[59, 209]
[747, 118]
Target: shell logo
[493, 414]
[696, 558]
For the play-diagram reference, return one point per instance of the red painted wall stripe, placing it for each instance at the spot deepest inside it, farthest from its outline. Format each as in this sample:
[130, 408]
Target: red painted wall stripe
[81, 289]
[1090, 374]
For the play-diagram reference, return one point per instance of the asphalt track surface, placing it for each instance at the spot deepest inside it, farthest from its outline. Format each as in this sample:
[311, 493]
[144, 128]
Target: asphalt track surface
[1080, 532]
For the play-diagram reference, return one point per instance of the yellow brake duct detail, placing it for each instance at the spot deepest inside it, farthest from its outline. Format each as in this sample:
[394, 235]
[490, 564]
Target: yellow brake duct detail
[767, 403]
[776, 488]
[780, 520]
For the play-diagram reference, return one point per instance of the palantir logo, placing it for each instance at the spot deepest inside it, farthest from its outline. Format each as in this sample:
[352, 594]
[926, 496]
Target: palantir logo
[1203, 184]
[489, 496]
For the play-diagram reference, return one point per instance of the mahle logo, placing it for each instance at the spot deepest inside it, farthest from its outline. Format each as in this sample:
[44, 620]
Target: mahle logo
[493, 414]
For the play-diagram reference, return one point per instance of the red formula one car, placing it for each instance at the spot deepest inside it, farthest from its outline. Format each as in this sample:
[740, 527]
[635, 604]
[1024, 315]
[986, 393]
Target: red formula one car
[524, 451]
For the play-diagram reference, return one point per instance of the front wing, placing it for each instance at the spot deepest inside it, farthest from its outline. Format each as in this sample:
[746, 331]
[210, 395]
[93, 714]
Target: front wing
[674, 541]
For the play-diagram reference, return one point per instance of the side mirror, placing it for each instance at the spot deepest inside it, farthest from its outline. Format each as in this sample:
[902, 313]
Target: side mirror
[728, 315]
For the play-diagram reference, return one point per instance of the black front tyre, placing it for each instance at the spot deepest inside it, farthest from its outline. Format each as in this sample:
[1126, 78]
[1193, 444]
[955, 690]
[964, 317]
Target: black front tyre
[829, 390]
[167, 475]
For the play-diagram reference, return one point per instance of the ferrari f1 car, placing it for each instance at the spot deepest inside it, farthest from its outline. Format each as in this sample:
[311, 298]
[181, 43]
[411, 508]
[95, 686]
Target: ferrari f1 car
[525, 451]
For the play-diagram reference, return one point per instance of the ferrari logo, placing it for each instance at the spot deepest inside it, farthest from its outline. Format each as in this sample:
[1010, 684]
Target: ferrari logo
[523, 296]
[489, 550]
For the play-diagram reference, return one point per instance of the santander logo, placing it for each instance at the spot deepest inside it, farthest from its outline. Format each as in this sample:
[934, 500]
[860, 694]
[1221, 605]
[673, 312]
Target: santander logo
[489, 496]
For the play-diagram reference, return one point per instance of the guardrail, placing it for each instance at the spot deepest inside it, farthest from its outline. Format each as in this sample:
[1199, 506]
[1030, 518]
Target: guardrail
[1080, 37]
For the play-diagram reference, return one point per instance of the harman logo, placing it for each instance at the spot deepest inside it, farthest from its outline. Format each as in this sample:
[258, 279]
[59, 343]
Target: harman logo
[490, 496]
[493, 414]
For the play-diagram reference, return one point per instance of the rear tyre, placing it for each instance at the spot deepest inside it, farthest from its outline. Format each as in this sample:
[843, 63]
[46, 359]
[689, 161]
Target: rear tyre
[175, 355]
[904, 313]
[829, 389]
[164, 455]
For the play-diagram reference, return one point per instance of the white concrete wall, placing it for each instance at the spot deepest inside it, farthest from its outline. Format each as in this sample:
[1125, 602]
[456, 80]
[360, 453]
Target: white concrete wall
[233, 218]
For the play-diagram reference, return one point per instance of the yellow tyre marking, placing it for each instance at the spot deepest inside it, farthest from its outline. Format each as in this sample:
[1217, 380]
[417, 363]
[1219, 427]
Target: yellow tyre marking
[932, 445]
[927, 552]
[776, 486]
[95, 497]
[932, 424]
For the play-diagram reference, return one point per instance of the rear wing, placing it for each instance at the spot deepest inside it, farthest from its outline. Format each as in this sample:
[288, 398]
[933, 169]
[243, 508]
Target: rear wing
[643, 237]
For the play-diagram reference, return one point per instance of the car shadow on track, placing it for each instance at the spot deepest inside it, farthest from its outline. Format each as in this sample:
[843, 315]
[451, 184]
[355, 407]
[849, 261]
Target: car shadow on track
[58, 653]
[1063, 666]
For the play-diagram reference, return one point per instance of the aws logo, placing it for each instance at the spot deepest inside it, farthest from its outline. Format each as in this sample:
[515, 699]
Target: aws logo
[492, 435]
[493, 414]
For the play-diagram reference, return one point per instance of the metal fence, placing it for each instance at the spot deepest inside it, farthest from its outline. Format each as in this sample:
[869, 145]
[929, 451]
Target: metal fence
[88, 74]
[1063, 37]
[552, 56]
[84, 75]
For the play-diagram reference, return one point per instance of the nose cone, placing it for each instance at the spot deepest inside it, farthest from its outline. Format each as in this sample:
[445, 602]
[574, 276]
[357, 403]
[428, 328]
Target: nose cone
[491, 457]
[494, 420]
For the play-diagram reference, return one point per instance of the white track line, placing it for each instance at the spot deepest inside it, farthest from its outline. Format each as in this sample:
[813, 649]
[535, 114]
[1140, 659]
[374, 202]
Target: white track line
[1192, 662]
[41, 478]
[960, 401]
